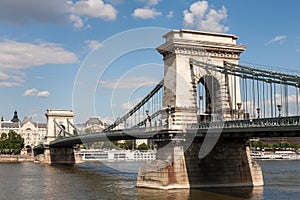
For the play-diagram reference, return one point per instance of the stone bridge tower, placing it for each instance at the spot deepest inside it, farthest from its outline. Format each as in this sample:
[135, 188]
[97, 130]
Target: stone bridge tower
[59, 122]
[181, 163]
[181, 78]
[56, 118]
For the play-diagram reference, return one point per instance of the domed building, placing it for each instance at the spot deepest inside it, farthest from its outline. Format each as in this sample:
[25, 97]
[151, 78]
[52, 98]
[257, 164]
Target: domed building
[33, 133]
[93, 124]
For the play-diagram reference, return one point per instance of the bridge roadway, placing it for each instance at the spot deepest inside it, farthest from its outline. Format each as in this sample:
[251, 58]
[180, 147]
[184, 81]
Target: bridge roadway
[263, 127]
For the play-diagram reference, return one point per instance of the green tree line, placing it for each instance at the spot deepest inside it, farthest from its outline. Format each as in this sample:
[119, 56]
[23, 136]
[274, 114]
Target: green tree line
[11, 143]
[278, 145]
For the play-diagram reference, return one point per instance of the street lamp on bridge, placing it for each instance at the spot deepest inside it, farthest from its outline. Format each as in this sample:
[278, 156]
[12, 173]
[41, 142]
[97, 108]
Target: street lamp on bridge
[279, 110]
[239, 105]
[200, 100]
[258, 112]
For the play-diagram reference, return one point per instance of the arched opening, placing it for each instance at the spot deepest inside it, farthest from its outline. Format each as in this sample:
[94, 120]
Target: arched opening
[208, 99]
[28, 149]
[63, 127]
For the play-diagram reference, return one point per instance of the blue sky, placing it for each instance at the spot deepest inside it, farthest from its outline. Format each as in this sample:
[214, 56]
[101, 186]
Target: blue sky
[45, 48]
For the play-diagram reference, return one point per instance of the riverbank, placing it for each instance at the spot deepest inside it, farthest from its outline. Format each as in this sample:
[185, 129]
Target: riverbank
[15, 158]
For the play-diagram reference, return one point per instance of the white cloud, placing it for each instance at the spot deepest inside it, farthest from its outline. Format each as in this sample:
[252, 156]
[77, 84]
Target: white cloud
[91, 9]
[130, 104]
[170, 15]
[107, 120]
[30, 92]
[204, 17]
[91, 44]
[43, 94]
[56, 11]
[146, 13]
[11, 80]
[4, 76]
[150, 2]
[9, 84]
[278, 38]
[116, 1]
[20, 55]
[78, 23]
[128, 83]
[35, 92]
[41, 11]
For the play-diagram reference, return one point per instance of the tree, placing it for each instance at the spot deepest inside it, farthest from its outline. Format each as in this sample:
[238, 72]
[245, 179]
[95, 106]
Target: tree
[256, 144]
[3, 136]
[143, 147]
[11, 143]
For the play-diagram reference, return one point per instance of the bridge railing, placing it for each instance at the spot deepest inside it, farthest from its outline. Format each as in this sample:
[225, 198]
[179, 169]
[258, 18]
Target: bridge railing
[261, 122]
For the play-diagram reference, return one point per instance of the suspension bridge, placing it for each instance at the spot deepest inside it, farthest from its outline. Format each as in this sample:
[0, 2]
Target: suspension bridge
[200, 116]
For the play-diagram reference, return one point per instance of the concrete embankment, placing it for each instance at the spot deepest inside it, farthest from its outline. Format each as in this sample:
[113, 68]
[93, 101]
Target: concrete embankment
[15, 158]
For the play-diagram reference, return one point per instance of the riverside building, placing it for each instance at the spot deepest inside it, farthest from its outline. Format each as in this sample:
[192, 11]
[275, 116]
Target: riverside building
[33, 133]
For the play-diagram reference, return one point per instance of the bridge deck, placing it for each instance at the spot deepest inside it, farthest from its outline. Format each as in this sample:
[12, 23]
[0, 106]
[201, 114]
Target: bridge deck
[264, 127]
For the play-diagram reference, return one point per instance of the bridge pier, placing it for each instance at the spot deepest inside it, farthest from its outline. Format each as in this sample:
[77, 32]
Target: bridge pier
[59, 124]
[228, 165]
[58, 155]
[61, 155]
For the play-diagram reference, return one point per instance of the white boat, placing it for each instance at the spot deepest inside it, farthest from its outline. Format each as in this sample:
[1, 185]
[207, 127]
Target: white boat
[116, 155]
[287, 155]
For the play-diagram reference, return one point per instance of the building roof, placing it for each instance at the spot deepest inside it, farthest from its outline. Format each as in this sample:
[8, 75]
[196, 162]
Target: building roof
[93, 121]
[42, 125]
[9, 125]
[27, 119]
[15, 117]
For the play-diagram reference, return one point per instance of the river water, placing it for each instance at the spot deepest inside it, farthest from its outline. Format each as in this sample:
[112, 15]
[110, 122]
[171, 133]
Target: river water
[98, 181]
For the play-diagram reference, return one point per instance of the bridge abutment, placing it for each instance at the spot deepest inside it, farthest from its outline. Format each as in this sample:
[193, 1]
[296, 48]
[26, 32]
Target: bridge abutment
[168, 171]
[59, 155]
[228, 165]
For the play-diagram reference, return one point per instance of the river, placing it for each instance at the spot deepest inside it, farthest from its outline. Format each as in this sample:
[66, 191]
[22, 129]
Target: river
[97, 181]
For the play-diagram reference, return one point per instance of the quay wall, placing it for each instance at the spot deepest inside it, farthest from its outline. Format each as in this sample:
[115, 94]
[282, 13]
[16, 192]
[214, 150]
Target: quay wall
[15, 158]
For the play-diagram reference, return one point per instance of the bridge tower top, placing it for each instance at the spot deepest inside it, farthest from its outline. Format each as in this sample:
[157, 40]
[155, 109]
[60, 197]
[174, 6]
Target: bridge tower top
[181, 79]
[201, 35]
[215, 47]
[57, 119]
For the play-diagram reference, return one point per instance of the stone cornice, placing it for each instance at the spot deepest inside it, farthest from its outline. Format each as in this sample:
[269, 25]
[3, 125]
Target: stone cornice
[200, 48]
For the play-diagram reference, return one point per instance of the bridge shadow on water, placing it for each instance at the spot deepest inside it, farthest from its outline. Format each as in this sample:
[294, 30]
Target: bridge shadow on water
[129, 171]
[253, 193]
[119, 180]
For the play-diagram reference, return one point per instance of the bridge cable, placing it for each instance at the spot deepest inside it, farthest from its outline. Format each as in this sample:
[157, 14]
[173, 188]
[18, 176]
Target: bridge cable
[232, 96]
[275, 101]
[246, 95]
[235, 96]
[253, 96]
[136, 108]
[286, 93]
[258, 99]
[213, 97]
[281, 96]
[263, 100]
[242, 95]
[271, 100]
[297, 103]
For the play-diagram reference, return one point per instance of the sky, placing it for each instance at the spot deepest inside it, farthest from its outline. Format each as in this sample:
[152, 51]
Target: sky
[97, 57]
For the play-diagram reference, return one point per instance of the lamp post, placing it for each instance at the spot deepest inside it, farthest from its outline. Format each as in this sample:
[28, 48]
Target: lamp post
[258, 112]
[279, 110]
[200, 100]
[239, 105]
[148, 120]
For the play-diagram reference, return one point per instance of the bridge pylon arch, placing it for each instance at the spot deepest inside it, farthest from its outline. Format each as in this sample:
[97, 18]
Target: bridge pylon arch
[56, 121]
[181, 77]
